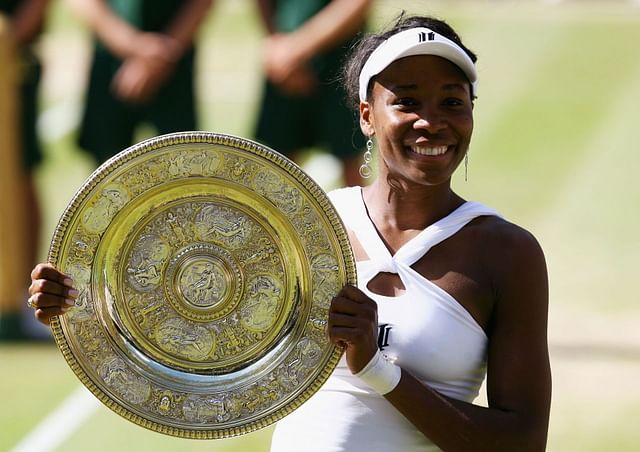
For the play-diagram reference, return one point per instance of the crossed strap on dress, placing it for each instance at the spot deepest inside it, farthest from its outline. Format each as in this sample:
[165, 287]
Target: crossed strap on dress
[354, 214]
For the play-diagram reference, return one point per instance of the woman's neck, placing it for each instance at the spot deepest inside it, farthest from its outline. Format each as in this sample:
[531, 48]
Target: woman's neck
[405, 208]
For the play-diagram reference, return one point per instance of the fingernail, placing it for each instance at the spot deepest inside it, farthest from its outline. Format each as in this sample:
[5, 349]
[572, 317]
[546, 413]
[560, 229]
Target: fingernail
[69, 302]
[73, 293]
[68, 282]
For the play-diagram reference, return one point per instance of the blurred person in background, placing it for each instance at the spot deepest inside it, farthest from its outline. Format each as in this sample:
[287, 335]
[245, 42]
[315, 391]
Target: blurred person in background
[24, 22]
[303, 104]
[142, 70]
[449, 292]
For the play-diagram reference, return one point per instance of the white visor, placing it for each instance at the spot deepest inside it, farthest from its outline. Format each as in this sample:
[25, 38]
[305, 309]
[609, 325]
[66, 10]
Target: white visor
[415, 41]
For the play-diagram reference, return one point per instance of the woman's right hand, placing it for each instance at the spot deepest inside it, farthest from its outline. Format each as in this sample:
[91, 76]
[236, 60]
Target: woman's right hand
[51, 291]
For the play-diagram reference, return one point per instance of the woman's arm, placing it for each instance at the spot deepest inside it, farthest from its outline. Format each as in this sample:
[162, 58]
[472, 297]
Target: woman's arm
[124, 40]
[187, 23]
[115, 33]
[27, 21]
[518, 379]
[265, 9]
[333, 24]
[141, 75]
[148, 57]
[287, 52]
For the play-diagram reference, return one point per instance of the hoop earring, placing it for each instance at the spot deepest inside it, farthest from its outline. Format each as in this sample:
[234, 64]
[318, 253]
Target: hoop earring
[365, 170]
[466, 165]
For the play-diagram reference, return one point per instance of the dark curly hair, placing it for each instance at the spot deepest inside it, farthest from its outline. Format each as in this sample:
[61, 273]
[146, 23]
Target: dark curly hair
[363, 48]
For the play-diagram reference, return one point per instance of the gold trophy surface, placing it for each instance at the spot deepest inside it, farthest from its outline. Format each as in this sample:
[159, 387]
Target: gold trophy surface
[206, 265]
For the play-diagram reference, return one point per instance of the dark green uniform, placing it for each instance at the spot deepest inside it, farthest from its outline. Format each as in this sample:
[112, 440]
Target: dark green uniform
[321, 119]
[108, 124]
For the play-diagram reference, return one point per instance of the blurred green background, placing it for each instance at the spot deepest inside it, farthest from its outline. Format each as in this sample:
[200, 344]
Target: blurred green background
[555, 150]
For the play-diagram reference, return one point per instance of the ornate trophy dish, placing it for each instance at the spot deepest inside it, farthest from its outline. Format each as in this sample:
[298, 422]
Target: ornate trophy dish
[206, 265]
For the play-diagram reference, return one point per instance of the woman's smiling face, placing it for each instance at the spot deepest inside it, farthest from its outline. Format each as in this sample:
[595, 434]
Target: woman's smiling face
[421, 112]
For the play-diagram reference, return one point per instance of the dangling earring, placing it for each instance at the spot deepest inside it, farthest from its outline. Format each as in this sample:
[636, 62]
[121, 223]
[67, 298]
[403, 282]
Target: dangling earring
[365, 169]
[466, 165]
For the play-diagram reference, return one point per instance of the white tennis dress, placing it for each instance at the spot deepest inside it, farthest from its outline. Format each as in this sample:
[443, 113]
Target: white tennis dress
[425, 330]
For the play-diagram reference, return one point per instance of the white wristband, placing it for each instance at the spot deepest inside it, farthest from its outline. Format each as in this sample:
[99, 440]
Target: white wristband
[381, 374]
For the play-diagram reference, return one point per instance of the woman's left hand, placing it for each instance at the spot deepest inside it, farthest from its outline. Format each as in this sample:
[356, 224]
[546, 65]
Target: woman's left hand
[353, 324]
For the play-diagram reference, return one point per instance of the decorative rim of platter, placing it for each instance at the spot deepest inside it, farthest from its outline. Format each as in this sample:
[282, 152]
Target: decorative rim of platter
[206, 264]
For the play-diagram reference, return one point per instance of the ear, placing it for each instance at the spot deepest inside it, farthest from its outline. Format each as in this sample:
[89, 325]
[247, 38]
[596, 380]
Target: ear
[366, 119]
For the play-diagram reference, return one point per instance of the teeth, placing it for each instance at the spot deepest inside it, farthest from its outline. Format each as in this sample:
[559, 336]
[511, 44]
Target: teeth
[429, 150]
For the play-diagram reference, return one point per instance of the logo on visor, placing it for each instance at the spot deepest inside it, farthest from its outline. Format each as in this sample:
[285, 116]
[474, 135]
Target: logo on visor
[422, 36]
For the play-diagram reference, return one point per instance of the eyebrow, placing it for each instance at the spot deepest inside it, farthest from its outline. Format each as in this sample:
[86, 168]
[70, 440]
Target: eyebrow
[454, 86]
[413, 87]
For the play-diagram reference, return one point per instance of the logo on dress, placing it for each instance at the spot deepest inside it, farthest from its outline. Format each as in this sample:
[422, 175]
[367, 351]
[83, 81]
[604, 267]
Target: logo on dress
[383, 335]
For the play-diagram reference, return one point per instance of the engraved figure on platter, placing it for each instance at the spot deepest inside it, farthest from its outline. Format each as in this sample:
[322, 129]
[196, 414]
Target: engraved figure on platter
[218, 410]
[80, 272]
[147, 313]
[112, 199]
[270, 390]
[222, 224]
[238, 169]
[324, 267]
[82, 251]
[166, 402]
[306, 355]
[266, 250]
[200, 409]
[184, 340]
[155, 168]
[284, 195]
[251, 399]
[202, 284]
[203, 163]
[90, 336]
[117, 376]
[140, 179]
[177, 166]
[146, 262]
[326, 263]
[261, 309]
[176, 227]
[83, 308]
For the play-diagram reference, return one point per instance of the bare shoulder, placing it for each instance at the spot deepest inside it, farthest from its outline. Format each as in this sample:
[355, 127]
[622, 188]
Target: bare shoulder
[512, 259]
[505, 242]
[517, 271]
